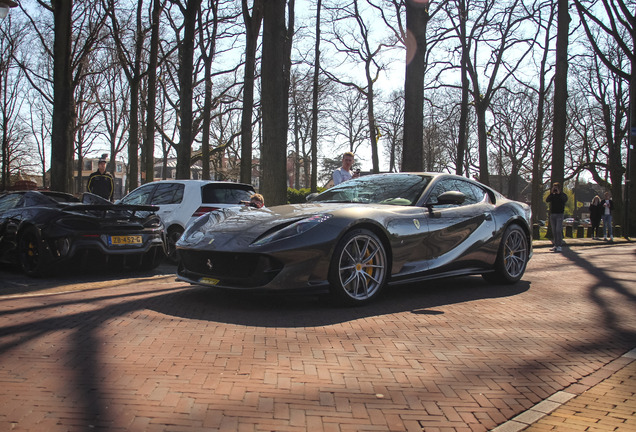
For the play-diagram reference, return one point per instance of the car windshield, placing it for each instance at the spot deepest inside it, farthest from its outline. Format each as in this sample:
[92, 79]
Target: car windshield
[225, 194]
[395, 189]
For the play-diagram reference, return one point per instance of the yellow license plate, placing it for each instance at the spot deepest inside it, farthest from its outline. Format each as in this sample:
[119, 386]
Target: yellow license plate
[125, 240]
[208, 281]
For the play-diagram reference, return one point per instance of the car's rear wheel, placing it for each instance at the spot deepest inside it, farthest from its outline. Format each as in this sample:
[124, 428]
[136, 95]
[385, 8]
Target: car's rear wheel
[31, 252]
[358, 270]
[512, 258]
[152, 259]
[174, 234]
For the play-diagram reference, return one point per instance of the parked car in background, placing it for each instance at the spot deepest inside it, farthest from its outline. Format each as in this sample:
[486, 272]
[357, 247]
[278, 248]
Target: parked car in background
[362, 235]
[182, 201]
[568, 221]
[42, 231]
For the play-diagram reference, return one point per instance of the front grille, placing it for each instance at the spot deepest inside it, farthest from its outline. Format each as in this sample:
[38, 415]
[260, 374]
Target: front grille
[236, 269]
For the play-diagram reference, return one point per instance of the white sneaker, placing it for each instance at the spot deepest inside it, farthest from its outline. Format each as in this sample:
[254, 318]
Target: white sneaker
[558, 249]
[604, 238]
[553, 248]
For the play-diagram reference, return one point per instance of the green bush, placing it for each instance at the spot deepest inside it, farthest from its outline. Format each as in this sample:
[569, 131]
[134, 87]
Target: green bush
[295, 196]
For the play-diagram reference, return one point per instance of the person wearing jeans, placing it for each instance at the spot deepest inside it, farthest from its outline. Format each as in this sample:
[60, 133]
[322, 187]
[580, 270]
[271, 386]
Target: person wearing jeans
[557, 199]
[608, 206]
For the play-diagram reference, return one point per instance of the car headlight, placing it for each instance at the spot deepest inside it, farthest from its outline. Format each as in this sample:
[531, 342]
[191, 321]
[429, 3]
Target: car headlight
[298, 227]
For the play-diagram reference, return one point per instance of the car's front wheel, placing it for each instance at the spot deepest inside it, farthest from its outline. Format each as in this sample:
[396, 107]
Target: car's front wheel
[512, 258]
[359, 267]
[31, 252]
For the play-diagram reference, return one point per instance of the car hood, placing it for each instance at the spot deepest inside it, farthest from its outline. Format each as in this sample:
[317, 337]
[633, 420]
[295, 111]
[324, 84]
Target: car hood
[240, 227]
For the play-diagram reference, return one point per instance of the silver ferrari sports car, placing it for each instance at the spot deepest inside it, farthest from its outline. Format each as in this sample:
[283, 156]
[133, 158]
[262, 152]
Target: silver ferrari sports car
[360, 236]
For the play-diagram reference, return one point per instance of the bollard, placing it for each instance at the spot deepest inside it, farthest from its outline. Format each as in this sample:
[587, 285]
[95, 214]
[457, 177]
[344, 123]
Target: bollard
[568, 231]
[536, 232]
[580, 232]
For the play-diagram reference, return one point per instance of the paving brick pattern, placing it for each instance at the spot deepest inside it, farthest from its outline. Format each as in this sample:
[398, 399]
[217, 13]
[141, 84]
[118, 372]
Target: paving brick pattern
[153, 354]
[607, 406]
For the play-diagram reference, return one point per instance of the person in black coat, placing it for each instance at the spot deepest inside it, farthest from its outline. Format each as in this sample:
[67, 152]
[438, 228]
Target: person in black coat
[596, 213]
[557, 199]
[101, 182]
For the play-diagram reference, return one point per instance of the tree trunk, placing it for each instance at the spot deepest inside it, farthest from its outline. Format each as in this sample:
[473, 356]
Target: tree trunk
[151, 103]
[274, 102]
[314, 105]
[252, 29]
[63, 104]
[416, 21]
[560, 93]
[482, 136]
[630, 199]
[186, 70]
[537, 204]
[462, 139]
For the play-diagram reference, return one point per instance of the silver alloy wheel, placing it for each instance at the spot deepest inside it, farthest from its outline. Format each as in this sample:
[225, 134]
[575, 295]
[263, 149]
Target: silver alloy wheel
[362, 266]
[515, 253]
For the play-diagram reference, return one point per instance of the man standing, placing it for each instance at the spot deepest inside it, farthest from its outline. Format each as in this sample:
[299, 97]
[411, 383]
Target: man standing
[344, 172]
[557, 200]
[101, 182]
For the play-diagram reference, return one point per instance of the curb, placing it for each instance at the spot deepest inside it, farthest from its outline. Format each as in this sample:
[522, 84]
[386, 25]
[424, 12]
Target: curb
[560, 398]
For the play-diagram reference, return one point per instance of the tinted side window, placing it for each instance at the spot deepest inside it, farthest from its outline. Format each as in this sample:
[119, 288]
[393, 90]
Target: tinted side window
[224, 195]
[474, 194]
[139, 196]
[446, 185]
[168, 193]
[10, 201]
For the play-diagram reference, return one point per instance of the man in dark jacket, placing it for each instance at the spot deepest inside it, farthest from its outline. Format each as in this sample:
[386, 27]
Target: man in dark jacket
[101, 182]
[557, 200]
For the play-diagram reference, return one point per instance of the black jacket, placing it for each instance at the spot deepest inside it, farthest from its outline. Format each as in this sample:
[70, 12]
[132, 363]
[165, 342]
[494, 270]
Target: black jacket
[596, 212]
[557, 202]
[101, 184]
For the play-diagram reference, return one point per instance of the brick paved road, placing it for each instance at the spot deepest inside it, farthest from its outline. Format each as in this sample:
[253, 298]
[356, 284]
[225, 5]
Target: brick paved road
[153, 354]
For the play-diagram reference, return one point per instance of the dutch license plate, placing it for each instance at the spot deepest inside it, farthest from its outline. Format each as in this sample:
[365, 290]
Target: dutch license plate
[125, 240]
[208, 281]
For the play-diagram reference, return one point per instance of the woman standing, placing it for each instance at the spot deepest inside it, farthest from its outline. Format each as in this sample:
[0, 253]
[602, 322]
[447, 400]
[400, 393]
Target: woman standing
[596, 213]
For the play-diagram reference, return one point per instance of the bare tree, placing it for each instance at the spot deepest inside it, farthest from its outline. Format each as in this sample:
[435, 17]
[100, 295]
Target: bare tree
[151, 99]
[618, 24]
[277, 37]
[252, 29]
[186, 72]
[391, 124]
[355, 41]
[10, 76]
[559, 124]
[496, 31]
[129, 45]
[112, 94]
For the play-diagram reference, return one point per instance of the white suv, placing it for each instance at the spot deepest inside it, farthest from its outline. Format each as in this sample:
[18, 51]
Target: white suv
[182, 201]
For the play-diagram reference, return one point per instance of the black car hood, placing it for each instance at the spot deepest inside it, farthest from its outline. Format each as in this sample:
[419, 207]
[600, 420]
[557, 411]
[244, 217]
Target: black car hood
[241, 227]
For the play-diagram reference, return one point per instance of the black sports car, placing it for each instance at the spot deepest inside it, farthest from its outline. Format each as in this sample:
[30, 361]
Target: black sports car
[361, 235]
[41, 230]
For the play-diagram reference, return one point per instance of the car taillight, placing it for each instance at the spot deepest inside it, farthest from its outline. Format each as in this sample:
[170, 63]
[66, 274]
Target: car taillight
[203, 210]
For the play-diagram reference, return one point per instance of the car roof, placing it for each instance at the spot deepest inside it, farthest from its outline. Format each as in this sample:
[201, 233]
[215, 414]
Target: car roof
[201, 182]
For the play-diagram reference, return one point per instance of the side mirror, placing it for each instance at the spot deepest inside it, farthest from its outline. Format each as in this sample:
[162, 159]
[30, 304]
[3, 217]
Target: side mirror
[311, 196]
[451, 197]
